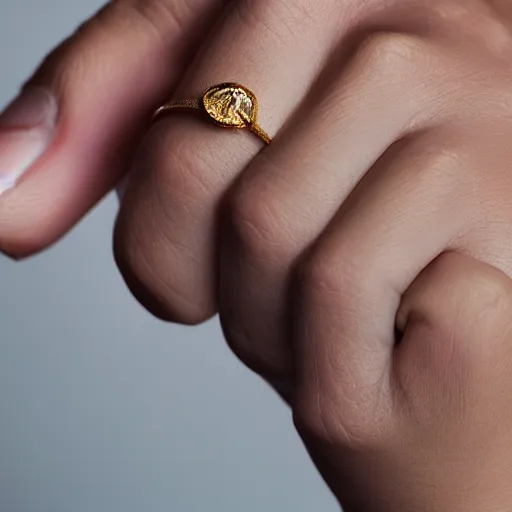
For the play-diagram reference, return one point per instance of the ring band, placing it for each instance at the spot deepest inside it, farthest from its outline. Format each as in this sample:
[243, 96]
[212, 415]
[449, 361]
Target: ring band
[228, 105]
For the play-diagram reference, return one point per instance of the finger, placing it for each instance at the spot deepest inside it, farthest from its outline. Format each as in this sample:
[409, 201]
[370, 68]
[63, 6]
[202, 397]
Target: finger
[454, 294]
[396, 222]
[165, 236]
[286, 197]
[456, 324]
[490, 234]
[69, 136]
[454, 318]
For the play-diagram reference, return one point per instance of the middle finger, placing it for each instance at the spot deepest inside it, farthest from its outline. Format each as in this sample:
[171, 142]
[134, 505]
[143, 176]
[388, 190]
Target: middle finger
[285, 200]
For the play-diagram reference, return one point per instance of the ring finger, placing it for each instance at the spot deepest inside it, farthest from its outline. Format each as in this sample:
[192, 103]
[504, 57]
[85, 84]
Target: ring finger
[165, 235]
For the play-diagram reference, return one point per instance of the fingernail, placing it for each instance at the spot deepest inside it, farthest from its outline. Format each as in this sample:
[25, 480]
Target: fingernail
[26, 129]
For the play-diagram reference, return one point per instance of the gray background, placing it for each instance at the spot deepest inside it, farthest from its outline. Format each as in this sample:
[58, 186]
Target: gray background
[105, 409]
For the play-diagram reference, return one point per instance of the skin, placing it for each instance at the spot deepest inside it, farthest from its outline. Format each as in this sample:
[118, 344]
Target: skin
[361, 263]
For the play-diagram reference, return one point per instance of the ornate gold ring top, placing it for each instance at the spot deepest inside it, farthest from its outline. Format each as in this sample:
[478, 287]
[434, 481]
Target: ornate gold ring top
[228, 105]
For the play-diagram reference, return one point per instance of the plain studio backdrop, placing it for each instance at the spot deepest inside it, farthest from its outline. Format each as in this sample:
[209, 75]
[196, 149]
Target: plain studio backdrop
[105, 409]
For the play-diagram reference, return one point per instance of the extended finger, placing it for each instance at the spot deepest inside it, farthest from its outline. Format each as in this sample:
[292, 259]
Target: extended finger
[70, 135]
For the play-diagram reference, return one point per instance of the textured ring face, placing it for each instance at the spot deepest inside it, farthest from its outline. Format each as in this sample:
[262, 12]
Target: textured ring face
[230, 104]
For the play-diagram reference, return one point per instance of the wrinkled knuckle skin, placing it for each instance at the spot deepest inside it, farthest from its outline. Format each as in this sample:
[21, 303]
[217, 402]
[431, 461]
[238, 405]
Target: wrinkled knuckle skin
[490, 27]
[71, 59]
[161, 17]
[481, 288]
[263, 13]
[318, 419]
[315, 276]
[323, 276]
[487, 307]
[391, 52]
[462, 306]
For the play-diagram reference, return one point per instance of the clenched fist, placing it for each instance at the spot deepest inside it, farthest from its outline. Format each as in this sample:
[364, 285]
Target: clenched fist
[422, 422]
[359, 262]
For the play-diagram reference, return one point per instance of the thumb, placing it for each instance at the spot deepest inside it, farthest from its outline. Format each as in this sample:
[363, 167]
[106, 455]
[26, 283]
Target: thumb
[69, 136]
[456, 321]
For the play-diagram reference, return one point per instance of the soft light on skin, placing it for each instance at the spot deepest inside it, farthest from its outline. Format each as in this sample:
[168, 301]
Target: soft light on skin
[18, 152]
[26, 130]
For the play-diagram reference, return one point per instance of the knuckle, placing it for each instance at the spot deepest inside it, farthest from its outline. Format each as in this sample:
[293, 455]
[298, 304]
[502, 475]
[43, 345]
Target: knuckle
[161, 17]
[486, 304]
[157, 247]
[496, 297]
[392, 51]
[251, 353]
[162, 275]
[461, 301]
[319, 419]
[70, 62]
[243, 347]
[473, 280]
[164, 295]
[167, 301]
[488, 26]
[327, 274]
[263, 13]
[441, 158]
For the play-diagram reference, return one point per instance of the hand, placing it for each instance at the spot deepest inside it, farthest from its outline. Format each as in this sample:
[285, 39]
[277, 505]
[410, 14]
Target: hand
[422, 425]
[392, 125]
[392, 128]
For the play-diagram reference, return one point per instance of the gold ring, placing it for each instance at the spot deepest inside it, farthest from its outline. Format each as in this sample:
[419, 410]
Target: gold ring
[228, 105]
